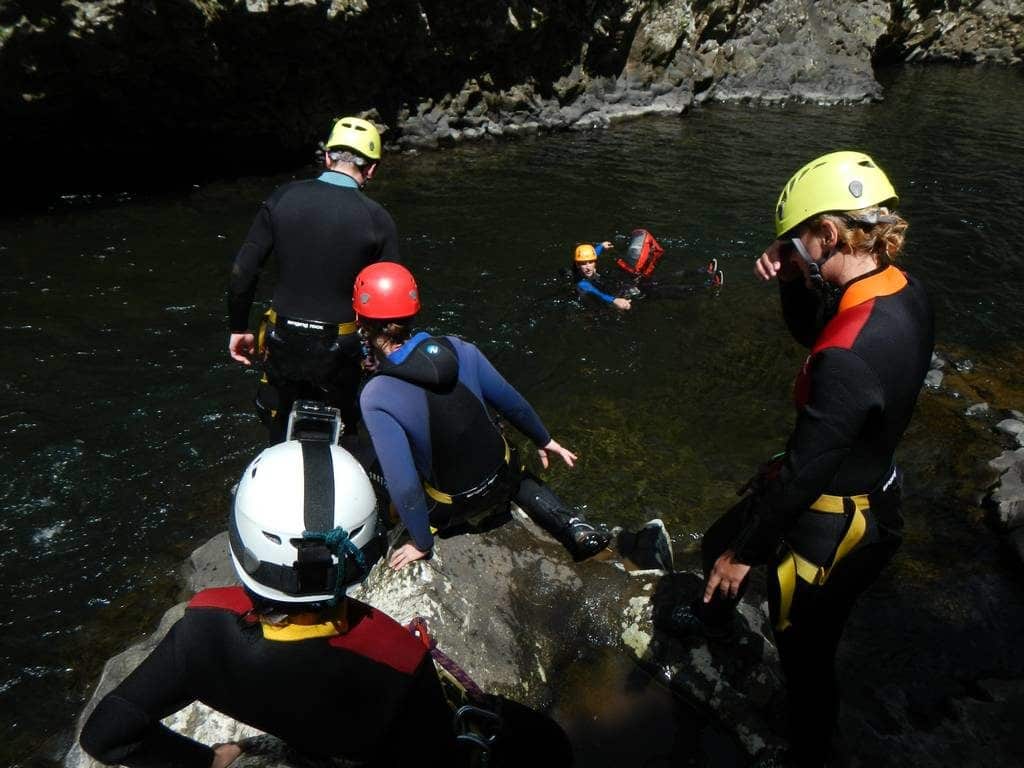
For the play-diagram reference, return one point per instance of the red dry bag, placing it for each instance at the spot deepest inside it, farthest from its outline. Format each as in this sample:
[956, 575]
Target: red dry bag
[642, 255]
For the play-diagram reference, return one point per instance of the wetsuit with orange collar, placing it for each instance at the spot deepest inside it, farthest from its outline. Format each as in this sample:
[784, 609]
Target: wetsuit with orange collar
[827, 513]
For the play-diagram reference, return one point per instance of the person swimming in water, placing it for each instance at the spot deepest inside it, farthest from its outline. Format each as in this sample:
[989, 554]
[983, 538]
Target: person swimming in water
[635, 280]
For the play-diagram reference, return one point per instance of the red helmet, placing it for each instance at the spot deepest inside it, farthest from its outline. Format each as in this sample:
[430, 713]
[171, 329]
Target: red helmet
[384, 291]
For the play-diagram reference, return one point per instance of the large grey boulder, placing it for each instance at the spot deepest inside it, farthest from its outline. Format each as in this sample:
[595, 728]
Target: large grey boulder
[515, 613]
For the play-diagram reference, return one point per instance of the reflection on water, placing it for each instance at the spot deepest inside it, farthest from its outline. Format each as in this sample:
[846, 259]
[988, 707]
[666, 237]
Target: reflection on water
[125, 423]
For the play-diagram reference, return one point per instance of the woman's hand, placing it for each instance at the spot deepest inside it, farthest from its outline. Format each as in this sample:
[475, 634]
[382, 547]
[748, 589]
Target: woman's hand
[775, 262]
[405, 554]
[567, 456]
[725, 577]
[622, 304]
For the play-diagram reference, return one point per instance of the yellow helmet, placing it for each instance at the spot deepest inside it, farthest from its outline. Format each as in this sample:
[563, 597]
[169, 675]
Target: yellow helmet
[584, 253]
[356, 134]
[838, 181]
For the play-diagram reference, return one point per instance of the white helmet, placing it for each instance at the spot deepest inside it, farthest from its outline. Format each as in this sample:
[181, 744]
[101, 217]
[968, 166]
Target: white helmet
[303, 513]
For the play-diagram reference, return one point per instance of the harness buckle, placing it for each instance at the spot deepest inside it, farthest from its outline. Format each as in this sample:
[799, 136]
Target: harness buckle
[477, 727]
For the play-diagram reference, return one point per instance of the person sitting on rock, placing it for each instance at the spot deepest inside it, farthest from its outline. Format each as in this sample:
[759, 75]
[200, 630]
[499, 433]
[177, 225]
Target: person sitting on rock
[289, 654]
[444, 460]
[635, 278]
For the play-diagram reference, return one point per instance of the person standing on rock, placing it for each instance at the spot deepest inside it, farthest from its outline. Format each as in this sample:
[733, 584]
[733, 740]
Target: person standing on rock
[426, 409]
[321, 231]
[289, 654]
[824, 516]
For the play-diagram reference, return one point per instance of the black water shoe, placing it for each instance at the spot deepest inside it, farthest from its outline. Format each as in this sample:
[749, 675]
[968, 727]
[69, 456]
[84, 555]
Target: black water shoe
[583, 540]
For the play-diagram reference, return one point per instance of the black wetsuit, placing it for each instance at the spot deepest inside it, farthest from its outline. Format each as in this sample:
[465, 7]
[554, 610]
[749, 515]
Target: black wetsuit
[322, 233]
[854, 396]
[370, 693]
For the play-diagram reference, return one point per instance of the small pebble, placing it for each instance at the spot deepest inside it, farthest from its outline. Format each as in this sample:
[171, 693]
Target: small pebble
[978, 409]
[933, 380]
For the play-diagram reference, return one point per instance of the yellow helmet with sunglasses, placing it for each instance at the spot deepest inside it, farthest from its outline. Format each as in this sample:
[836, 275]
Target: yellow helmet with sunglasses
[356, 134]
[838, 181]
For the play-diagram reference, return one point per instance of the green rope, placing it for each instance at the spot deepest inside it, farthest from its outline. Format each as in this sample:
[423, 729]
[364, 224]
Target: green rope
[342, 547]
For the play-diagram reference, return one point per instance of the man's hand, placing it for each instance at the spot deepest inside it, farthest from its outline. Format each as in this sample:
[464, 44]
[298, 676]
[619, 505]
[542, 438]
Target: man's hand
[225, 754]
[776, 262]
[607, 245]
[622, 304]
[725, 577]
[405, 554]
[567, 456]
[241, 347]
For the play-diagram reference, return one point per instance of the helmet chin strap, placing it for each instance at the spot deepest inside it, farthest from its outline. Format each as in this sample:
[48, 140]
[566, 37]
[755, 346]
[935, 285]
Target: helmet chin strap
[814, 267]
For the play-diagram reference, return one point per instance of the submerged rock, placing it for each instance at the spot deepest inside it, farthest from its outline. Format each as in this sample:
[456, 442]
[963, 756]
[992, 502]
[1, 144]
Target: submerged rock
[1007, 498]
[978, 409]
[933, 379]
[1012, 427]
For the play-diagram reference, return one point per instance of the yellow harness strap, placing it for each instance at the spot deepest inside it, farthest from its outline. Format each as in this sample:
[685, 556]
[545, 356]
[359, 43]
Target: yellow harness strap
[446, 498]
[794, 565]
[269, 318]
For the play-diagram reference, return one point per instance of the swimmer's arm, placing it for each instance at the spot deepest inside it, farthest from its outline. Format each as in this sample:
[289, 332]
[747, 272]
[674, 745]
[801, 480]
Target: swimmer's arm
[585, 286]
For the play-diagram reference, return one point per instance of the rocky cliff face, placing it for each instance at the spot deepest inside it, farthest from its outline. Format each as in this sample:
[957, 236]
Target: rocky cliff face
[226, 85]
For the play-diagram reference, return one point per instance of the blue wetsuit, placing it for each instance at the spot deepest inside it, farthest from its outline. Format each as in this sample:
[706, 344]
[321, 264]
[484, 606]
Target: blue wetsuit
[398, 405]
[586, 288]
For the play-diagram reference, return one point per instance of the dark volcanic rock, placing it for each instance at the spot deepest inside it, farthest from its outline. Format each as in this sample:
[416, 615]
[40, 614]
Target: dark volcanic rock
[226, 86]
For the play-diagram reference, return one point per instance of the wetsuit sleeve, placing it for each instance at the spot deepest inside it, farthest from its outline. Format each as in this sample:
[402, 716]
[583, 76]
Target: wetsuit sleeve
[803, 311]
[125, 727]
[507, 401]
[586, 287]
[598, 248]
[245, 270]
[844, 394]
[396, 462]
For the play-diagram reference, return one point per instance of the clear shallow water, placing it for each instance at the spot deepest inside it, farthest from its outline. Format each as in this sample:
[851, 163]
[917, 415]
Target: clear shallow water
[124, 423]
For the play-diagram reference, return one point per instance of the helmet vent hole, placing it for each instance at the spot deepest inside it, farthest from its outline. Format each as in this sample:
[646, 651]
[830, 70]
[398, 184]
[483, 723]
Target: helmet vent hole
[254, 472]
[866, 164]
[272, 537]
[355, 532]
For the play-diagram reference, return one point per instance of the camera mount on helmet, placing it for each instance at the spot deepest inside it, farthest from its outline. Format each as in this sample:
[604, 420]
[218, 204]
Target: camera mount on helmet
[312, 420]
